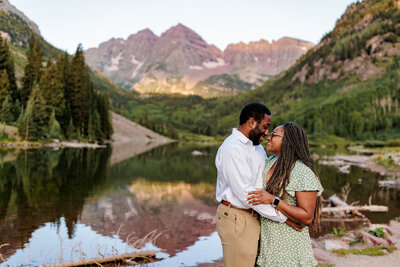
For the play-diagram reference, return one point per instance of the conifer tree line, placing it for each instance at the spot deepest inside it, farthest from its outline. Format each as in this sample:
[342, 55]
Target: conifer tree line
[56, 99]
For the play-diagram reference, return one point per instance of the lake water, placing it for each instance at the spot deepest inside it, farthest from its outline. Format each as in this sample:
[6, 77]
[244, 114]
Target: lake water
[71, 204]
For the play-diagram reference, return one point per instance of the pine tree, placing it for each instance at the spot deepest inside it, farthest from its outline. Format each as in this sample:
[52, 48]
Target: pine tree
[80, 92]
[103, 108]
[33, 69]
[70, 133]
[34, 122]
[63, 65]
[97, 126]
[91, 130]
[21, 121]
[54, 127]
[52, 90]
[7, 64]
[4, 86]
[6, 112]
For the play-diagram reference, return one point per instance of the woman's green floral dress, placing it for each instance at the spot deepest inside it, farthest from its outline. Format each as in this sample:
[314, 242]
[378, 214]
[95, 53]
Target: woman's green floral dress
[281, 245]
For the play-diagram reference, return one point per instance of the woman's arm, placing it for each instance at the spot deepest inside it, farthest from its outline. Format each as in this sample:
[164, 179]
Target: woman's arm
[303, 213]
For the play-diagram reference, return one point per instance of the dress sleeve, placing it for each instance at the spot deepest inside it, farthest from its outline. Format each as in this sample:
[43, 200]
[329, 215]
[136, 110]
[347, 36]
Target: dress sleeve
[302, 178]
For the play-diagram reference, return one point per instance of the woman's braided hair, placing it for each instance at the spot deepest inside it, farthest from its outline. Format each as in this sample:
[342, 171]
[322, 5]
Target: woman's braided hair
[294, 147]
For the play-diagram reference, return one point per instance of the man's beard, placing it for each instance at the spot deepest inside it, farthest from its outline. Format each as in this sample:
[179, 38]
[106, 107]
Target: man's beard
[255, 135]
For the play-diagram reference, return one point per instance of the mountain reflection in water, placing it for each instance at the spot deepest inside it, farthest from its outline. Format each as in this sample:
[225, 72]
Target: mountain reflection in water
[166, 192]
[161, 199]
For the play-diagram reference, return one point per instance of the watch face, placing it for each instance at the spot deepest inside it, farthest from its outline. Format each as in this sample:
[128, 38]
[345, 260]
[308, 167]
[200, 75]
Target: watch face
[276, 202]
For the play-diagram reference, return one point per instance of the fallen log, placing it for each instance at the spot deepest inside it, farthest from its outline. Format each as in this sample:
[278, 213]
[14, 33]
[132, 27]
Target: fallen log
[372, 208]
[337, 201]
[110, 259]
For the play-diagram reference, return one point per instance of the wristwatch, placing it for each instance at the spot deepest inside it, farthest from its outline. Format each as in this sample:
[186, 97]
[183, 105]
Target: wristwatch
[275, 202]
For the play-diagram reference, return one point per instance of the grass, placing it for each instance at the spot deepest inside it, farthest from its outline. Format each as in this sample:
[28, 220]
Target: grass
[388, 162]
[338, 231]
[372, 251]
[197, 138]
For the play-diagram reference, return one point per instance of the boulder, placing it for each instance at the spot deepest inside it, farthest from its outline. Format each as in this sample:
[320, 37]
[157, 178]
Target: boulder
[323, 256]
[331, 244]
[368, 238]
[394, 227]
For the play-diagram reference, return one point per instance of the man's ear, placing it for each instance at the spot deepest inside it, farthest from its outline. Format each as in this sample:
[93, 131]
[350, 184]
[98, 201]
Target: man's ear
[252, 123]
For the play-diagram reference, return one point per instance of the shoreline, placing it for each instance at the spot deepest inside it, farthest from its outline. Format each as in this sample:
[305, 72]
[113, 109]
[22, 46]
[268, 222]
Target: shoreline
[60, 144]
[366, 162]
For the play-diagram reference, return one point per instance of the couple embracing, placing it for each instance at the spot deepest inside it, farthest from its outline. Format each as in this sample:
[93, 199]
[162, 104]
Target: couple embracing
[274, 200]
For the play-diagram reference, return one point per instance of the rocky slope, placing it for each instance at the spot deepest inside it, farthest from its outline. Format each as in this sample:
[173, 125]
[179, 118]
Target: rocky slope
[130, 139]
[9, 30]
[180, 61]
[364, 41]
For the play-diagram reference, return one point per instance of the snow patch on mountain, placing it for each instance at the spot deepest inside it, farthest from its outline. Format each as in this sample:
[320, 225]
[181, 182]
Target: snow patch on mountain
[135, 72]
[134, 60]
[214, 64]
[195, 67]
[114, 63]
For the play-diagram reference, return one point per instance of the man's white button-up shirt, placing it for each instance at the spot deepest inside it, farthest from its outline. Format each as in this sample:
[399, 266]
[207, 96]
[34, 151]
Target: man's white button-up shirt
[240, 165]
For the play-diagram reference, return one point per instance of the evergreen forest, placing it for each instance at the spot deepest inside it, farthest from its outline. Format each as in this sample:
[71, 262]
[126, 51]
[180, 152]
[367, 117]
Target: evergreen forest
[56, 99]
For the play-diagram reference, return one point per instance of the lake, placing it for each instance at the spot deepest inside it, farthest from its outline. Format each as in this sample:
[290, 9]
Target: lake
[71, 204]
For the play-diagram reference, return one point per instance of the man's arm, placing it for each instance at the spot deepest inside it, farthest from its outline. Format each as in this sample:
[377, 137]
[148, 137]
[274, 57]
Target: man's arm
[238, 175]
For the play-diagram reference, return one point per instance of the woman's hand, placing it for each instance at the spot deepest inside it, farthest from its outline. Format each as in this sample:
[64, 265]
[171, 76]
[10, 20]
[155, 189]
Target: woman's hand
[259, 196]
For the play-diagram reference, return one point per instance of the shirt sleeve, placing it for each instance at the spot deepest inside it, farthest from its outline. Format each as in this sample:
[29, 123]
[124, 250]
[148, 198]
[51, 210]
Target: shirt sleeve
[302, 178]
[238, 175]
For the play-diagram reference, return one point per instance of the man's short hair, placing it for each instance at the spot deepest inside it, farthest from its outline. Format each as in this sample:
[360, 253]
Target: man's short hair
[253, 110]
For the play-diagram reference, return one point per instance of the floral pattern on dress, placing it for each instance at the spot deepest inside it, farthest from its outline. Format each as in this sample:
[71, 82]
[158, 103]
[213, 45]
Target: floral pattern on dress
[280, 244]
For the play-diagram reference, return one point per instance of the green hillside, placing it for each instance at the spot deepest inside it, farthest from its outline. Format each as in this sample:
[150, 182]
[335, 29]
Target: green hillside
[348, 85]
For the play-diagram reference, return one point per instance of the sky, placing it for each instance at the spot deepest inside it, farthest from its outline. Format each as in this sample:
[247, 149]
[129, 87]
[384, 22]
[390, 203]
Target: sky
[65, 24]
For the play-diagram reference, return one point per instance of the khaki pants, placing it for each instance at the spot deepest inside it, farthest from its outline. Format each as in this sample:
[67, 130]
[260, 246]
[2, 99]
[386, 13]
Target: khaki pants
[239, 232]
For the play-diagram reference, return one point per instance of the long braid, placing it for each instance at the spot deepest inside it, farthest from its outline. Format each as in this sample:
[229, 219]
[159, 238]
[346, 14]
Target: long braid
[294, 147]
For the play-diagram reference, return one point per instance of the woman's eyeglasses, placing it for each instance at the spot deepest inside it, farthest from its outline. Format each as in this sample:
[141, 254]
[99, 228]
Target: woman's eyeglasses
[275, 134]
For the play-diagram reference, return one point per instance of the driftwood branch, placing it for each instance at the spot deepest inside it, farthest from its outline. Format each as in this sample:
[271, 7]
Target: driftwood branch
[372, 208]
[337, 201]
[110, 259]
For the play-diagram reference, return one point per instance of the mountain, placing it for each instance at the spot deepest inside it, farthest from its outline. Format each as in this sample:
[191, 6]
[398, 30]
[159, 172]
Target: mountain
[18, 29]
[348, 85]
[10, 33]
[180, 61]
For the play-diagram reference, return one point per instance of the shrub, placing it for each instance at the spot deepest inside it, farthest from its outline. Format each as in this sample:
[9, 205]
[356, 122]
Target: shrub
[374, 143]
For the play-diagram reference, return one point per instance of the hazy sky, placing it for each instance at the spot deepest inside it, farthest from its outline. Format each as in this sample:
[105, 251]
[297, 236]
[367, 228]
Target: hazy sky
[66, 23]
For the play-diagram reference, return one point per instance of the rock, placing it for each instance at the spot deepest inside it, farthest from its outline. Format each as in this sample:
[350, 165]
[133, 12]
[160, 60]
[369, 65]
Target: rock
[331, 244]
[368, 238]
[197, 153]
[388, 230]
[313, 243]
[389, 239]
[394, 227]
[323, 256]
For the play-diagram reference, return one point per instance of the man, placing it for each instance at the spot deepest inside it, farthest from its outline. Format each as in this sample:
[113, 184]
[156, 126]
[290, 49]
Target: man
[240, 163]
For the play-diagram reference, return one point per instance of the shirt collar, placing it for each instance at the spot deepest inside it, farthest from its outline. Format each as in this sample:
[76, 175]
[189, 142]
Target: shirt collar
[239, 135]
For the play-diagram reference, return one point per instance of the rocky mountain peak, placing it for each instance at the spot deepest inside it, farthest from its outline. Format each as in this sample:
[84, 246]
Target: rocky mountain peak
[181, 32]
[143, 34]
[179, 59]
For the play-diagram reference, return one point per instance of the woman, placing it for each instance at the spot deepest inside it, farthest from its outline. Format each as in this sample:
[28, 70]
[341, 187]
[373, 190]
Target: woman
[293, 187]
